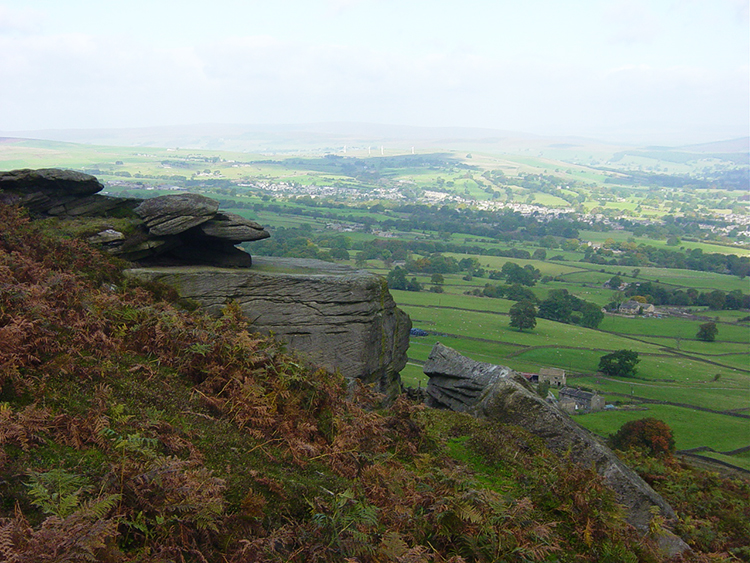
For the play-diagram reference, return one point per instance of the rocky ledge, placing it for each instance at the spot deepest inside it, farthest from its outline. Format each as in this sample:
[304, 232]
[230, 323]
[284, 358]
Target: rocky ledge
[341, 318]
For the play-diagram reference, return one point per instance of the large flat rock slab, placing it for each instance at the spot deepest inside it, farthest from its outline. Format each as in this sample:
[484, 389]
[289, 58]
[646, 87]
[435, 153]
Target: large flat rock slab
[340, 318]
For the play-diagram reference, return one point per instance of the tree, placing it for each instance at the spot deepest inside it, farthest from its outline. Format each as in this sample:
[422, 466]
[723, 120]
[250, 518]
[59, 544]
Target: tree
[619, 364]
[339, 253]
[413, 285]
[523, 315]
[513, 273]
[591, 315]
[651, 434]
[437, 279]
[539, 254]
[707, 332]
[557, 307]
[397, 278]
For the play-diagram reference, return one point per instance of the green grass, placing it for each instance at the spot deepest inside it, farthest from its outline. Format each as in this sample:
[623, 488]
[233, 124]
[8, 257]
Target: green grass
[671, 327]
[719, 397]
[692, 428]
[624, 236]
[735, 460]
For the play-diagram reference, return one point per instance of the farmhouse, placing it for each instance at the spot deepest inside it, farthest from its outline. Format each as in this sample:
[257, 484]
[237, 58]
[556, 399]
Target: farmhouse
[554, 376]
[636, 308]
[577, 401]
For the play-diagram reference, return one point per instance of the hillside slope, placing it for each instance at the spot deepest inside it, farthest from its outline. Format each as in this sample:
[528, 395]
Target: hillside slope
[132, 429]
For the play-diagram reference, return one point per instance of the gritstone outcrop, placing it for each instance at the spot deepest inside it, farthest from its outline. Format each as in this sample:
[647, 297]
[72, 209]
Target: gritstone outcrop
[498, 393]
[342, 319]
[339, 317]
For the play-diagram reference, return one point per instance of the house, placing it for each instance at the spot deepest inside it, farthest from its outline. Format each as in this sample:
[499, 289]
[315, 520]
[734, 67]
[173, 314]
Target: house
[577, 401]
[636, 308]
[554, 376]
[530, 377]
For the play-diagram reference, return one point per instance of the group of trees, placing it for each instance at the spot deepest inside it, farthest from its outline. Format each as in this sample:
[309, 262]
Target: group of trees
[632, 254]
[659, 294]
[396, 279]
[512, 273]
[563, 307]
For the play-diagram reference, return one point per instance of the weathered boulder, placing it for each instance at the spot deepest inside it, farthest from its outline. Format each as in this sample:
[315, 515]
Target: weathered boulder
[188, 229]
[90, 206]
[507, 397]
[233, 228]
[457, 382]
[50, 181]
[173, 214]
[52, 191]
[342, 319]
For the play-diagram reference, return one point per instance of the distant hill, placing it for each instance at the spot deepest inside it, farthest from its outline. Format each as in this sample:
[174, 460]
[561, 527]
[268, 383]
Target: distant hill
[311, 136]
[741, 145]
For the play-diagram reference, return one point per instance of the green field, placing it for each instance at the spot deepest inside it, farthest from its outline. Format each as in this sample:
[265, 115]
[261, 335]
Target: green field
[692, 429]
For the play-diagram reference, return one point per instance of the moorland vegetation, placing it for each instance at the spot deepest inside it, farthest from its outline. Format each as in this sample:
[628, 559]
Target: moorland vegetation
[135, 429]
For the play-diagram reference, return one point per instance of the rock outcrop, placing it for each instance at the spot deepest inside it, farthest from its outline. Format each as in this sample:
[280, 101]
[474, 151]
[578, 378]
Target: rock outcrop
[55, 192]
[455, 383]
[339, 317]
[171, 229]
[188, 229]
[342, 319]
[175, 214]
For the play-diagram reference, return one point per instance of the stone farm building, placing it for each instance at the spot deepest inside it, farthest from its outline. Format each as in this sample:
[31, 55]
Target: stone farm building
[554, 376]
[636, 308]
[577, 401]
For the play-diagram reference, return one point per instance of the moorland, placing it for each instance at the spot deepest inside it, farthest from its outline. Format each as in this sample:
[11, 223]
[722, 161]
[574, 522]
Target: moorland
[461, 236]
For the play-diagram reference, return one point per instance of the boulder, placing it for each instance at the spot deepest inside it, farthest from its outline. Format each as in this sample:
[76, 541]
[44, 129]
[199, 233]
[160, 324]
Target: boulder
[457, 382]
[233, 228]
[90, 206]
[51, 181]
[340, 318]
[174, 214]
[506, 397]
[46, 188]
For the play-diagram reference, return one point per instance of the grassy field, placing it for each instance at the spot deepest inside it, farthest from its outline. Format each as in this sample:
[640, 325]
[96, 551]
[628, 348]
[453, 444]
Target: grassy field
[709, 375]
[692, 429]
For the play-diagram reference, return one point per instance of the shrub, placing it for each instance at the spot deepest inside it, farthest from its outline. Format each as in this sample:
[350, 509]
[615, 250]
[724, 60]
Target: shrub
[651, 434]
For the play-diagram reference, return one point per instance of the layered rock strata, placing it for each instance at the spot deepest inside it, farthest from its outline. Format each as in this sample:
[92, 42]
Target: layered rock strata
[171, 229]
[55, 192]
[342, 319]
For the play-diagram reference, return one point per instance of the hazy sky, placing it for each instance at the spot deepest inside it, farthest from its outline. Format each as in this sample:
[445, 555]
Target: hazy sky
[655, 71]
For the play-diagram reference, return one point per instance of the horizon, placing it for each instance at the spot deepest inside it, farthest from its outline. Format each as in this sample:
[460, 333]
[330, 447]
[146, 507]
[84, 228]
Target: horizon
[668, 72]
[200, 136]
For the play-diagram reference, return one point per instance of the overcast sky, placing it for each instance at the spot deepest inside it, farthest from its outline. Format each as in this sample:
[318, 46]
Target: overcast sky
[653, 71]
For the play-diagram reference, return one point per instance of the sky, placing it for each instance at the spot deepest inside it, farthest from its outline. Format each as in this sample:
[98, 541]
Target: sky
[643, 71]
